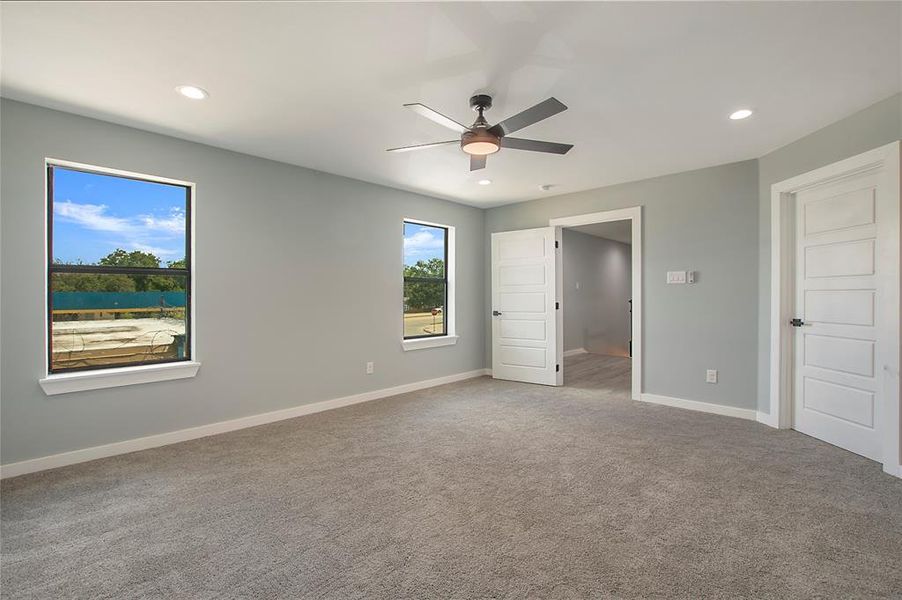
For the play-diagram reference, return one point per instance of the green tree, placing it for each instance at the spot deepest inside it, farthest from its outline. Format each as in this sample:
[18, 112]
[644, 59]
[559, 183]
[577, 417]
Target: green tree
[434, 267]
[423, 296]
[93, 282]
[135, 258]
[150, 282]
[167, 283]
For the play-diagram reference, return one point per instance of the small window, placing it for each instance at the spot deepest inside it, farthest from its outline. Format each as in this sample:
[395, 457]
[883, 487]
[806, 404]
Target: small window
[425, 280]
[118, 272]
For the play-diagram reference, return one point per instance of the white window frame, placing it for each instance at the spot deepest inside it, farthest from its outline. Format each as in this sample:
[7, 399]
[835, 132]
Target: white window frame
[450, 338]
[77, 381]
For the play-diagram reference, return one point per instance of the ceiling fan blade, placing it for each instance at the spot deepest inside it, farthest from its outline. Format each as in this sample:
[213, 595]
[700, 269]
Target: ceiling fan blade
[535, 145]
[540, 111]
[422, 146]
[425, 111]
[477, 162]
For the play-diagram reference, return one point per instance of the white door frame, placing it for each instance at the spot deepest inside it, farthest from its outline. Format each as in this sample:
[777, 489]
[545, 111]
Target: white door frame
[634, 215]
[886, 162]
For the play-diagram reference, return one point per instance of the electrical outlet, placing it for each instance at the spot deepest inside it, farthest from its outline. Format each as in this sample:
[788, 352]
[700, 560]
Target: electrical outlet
[577, 285]
[711, 376]
[370, 368]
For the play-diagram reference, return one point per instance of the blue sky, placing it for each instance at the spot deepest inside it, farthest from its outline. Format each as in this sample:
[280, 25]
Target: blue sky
[422, 242]
[94, 215]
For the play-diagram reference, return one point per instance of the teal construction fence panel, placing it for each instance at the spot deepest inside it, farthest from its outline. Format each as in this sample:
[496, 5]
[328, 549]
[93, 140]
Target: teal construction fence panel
[114, 300]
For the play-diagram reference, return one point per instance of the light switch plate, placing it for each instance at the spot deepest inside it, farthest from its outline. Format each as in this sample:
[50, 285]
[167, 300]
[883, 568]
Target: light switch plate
[676, 276]
[711, 376]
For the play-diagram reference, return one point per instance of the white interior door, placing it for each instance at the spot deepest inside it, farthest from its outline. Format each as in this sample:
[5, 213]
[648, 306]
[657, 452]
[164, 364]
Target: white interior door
[840, 285]
[526, 328]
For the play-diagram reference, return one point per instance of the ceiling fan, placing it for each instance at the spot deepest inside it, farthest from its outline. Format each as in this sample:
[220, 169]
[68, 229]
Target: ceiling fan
[480, 139]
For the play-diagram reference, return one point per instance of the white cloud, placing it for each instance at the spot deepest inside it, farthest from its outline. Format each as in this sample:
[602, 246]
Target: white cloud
[93, 216]
[158, 252]
[174, 223]
[90, 215]
[422, 242]
[146, 233]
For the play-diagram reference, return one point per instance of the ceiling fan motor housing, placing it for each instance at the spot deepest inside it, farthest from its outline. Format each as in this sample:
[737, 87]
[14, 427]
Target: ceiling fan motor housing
[480, 102]
[478, 141]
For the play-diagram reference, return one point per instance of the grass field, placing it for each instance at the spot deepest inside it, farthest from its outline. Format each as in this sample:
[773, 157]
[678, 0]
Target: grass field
[423, 324]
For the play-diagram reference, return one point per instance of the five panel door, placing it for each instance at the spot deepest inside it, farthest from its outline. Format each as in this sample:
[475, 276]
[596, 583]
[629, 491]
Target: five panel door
[526, 343]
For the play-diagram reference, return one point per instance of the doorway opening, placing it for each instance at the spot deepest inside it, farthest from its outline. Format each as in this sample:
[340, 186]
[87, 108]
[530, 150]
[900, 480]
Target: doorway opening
[601, 301]
[597, 306]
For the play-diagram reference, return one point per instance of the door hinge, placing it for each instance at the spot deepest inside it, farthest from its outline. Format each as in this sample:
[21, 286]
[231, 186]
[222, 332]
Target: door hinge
[796, 322]
[557, 306]
[557, 368]
[557, 244]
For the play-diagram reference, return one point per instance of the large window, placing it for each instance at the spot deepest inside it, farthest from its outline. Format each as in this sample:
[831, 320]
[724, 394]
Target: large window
[119, 270]
[425, 280]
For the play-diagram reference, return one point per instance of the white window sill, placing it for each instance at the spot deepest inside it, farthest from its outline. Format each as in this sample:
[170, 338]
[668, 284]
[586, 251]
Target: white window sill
[78, 381]
[433, 342]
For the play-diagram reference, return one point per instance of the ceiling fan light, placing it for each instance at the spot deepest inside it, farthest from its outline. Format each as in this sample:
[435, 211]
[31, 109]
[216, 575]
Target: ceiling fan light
[479, 142]
[480, 148]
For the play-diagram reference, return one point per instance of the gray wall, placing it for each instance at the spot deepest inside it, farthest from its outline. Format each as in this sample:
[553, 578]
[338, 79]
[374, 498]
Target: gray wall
[704, 220]
[874, 126]
[284, 256]
[596, 316]
[328, 246]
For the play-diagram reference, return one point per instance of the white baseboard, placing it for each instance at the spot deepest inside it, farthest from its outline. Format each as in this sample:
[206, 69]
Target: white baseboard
[173, 437]
[575, 351]
[717, 409]
[766, 419]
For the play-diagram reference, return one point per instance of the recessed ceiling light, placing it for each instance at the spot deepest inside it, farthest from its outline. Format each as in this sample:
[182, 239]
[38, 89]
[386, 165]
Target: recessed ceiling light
[192, 91]
[484, 182]
[742, 113]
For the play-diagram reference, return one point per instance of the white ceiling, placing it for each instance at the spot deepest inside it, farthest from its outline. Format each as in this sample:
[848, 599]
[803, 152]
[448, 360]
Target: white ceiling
[619, 231]
[649, 85]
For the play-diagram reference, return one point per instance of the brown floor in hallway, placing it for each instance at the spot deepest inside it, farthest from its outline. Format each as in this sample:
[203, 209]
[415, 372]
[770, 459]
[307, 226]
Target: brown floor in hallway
[598, 372]
[478, 489]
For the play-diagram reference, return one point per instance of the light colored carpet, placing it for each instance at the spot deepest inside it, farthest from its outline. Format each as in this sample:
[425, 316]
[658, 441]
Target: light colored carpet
[480, 489]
